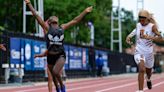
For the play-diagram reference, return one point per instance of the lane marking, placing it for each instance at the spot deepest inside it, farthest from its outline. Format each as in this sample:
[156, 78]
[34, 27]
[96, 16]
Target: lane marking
[100, 84]
[81, 87]
[92, 82]
[116, 87]
[129, 84]
[34, 89]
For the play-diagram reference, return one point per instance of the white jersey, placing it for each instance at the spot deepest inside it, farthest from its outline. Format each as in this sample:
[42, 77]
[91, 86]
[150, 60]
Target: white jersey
[144, 46]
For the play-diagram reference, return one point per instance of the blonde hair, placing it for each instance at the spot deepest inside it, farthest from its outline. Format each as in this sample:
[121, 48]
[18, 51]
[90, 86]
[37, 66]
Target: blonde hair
[152, 20]
[148, 15]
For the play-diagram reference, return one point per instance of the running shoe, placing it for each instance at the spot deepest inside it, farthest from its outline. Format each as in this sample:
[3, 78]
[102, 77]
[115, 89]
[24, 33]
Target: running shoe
[57, 89]
[149, 84]
[63, 88]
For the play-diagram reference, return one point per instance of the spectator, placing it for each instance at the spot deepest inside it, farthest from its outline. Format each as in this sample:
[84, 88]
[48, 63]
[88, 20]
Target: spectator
[99, 65]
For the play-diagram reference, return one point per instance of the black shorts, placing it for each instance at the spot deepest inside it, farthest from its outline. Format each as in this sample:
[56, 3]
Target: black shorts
[51, 59]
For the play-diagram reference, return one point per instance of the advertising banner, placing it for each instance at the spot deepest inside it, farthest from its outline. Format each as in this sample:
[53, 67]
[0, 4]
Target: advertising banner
[28, 54]
[15, 51]
[66, 66]
[75, 57]
[38, 48]
[85, 58]
[22, 53]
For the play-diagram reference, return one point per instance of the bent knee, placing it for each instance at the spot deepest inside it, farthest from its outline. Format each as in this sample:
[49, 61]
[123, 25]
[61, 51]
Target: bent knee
[141, 67]
[142, 70]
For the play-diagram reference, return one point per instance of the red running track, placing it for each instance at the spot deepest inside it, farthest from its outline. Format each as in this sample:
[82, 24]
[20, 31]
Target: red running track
[119, 83]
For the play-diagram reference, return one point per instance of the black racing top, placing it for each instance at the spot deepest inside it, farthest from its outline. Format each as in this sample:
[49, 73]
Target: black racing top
[55, 39]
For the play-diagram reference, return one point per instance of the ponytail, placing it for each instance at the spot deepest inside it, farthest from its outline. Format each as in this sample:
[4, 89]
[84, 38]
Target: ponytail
[152, 20]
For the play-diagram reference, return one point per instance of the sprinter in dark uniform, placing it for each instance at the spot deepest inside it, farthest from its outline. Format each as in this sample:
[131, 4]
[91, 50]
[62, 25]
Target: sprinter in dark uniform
[55, 37]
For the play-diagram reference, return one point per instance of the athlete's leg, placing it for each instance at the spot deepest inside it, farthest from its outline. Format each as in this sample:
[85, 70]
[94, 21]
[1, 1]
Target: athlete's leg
[149, 73]
[50, 80]
[140, 61]
[54, 77]
[63, 74]
[149, 65]
[141, 67]
[57, 69]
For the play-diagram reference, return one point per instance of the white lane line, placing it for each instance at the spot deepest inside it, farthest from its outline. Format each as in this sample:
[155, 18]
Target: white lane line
[100, 84]
[116, 87]
[125, 85]
[69, 83]
[32, 89]
[81, 87]
[91, 82]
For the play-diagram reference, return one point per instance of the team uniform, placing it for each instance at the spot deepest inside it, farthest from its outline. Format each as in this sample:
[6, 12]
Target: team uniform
[54, 39]
[144, 47]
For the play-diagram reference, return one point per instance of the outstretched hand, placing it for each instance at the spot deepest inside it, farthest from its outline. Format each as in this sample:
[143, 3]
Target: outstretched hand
[2, 47]
[37, 55]
[89, 9]
[27, 1]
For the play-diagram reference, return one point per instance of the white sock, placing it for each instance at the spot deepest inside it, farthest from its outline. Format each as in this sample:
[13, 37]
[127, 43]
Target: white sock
[147, 79]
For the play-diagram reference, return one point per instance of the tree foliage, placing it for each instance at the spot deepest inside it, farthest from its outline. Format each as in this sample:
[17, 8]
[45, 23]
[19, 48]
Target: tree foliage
[11, 14]
[128, 24]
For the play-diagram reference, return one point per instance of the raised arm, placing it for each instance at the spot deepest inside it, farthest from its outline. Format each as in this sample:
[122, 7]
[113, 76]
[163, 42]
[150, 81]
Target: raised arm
[42, 54]
[76, 19]
[38, 18]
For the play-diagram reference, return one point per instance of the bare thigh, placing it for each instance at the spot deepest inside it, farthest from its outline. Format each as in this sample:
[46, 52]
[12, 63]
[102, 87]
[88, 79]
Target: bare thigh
[59, 65]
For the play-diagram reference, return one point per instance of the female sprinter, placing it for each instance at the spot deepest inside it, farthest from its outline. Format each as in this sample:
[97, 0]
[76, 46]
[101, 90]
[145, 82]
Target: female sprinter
[54, 38]
[145, 29]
